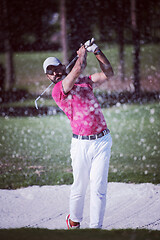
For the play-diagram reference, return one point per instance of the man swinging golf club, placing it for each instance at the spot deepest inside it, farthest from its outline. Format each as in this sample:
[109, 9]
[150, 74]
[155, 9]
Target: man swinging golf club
[91, 141]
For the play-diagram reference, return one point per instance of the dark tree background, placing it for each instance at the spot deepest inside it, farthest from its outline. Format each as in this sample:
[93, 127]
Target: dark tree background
[30, 25]
[30, 28]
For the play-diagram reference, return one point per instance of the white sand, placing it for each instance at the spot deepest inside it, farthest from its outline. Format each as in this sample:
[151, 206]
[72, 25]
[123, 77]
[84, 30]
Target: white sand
[128, 206]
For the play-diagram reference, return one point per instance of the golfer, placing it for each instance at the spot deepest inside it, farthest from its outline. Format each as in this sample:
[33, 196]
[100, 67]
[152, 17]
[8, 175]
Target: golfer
[91, 141]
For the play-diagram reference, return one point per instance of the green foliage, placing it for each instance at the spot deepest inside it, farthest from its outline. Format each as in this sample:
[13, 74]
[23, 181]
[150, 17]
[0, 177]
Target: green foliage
[36, 150]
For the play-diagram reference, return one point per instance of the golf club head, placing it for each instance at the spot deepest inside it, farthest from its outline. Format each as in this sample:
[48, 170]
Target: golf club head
[36, 104]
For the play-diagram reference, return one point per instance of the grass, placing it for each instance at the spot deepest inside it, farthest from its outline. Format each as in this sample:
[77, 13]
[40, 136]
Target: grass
[39, 234]
[136, 143]
[36, 150]
[31, 150]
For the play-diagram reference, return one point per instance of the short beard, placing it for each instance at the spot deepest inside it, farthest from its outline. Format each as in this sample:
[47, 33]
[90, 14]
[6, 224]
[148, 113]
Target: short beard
[64, 74]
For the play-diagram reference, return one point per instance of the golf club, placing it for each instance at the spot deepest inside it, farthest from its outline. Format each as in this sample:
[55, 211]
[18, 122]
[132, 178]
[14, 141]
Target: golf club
[73, 60]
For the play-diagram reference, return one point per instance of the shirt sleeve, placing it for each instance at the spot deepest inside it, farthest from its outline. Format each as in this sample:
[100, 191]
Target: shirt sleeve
[58, 93]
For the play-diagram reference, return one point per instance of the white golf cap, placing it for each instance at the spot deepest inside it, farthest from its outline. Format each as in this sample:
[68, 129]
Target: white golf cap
[50, 61]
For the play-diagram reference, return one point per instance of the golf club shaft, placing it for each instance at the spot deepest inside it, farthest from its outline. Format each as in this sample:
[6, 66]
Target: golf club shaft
[74, 59]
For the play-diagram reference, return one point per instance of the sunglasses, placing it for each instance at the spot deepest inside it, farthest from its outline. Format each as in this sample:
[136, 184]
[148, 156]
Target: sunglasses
[51, 69]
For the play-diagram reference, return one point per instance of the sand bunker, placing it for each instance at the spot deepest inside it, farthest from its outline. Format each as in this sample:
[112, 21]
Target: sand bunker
[128, 206]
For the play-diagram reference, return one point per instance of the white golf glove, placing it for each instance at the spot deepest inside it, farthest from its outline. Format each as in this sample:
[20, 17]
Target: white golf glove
[90, 45]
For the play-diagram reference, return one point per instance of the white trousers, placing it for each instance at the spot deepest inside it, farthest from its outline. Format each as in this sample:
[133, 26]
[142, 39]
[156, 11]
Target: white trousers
[90, 161]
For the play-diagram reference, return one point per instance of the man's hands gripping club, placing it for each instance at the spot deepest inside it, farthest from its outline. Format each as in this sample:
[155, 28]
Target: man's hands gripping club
[90, 46]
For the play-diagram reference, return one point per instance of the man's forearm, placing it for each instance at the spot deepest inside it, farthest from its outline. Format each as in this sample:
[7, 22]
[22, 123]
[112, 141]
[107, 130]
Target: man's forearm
[78, 68]
[104, 63]
[80, 64]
